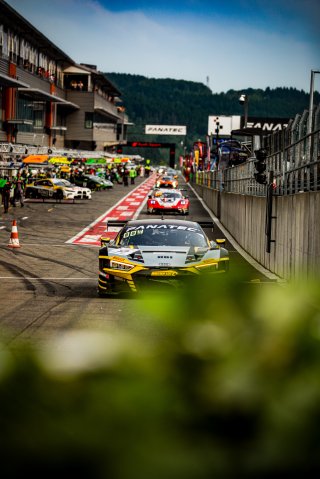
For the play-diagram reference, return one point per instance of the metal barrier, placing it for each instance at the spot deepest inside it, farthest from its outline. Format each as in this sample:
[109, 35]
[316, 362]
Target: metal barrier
[10, 150]
[294, 159]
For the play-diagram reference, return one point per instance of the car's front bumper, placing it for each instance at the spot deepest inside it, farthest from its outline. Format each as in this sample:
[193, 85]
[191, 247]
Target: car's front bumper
[180, 211]
[142, 279]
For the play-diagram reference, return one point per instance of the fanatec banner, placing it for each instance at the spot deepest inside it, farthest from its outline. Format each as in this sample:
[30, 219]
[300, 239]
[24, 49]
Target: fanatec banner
[165, 130]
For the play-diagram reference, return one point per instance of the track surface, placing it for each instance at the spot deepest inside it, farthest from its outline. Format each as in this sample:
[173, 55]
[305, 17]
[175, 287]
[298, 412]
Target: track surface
[49, 285]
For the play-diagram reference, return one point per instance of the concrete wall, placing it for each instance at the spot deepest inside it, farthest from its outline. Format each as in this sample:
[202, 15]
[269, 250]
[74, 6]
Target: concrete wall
[296, 228]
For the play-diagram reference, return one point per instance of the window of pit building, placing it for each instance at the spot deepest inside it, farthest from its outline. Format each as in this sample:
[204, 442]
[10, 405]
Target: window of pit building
[38, 118]
[88, 120]
[76, 82]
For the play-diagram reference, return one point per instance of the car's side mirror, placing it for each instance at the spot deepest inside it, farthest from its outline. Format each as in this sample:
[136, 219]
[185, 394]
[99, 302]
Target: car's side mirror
[200, 250]
[217, 243]
[104, 241]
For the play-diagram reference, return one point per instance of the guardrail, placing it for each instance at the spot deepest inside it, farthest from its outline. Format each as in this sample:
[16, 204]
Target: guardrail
[238, 179]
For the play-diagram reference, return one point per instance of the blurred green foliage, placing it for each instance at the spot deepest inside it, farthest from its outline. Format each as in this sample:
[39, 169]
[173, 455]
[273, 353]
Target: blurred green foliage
[219, 380]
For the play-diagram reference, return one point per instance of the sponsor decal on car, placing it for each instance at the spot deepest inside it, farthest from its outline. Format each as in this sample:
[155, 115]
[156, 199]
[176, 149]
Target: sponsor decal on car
[164, 273]
[161, 227]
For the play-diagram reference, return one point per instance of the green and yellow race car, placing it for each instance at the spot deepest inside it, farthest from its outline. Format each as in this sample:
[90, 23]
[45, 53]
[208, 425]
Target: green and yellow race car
[157, 252]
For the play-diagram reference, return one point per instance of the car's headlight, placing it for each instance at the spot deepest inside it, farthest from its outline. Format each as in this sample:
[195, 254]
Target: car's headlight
[121, 266]
[183, 202]
[152, 202]
[137, 256]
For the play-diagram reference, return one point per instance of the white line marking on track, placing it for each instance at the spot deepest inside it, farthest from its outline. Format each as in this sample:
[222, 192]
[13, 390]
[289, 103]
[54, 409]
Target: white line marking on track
[75, 238]
[137, 213]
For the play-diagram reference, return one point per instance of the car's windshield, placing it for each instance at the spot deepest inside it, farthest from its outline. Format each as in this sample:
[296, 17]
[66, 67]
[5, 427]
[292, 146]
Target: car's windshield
[161, 235]
[65, 182]
[167, 178]
[58, 182]
[93, 178]
[171, 195]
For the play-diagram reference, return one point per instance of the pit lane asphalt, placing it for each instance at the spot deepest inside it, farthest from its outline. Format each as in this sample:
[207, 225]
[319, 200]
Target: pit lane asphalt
[48, 287]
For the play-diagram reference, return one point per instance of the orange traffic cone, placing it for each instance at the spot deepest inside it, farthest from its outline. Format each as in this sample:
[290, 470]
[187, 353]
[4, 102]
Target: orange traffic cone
[14, 238]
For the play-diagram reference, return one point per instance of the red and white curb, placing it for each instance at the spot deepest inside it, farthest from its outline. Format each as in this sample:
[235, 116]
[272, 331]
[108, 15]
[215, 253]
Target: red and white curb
[126, 209]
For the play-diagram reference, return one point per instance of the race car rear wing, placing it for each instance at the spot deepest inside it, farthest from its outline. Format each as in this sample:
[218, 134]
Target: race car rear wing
[112, 229]
[116, 224]
[206, 224]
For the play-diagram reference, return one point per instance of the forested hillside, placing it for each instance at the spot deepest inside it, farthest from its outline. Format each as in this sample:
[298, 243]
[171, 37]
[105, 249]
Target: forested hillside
[178, 102]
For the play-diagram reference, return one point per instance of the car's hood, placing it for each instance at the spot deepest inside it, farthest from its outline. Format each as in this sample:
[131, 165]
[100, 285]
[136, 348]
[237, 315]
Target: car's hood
[168, 202]
[163, 256]
[80, 188]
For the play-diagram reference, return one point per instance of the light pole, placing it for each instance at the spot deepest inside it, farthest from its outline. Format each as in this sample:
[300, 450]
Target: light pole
[309, 126]
[244, 100]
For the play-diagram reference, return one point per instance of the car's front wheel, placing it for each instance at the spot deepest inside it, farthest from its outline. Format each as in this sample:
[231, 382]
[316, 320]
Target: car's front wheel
[32, 193]
[102, 293]
[59, 195]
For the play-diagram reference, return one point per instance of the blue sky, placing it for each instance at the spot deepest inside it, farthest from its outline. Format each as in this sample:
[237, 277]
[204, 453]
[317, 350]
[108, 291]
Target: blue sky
[229, 44]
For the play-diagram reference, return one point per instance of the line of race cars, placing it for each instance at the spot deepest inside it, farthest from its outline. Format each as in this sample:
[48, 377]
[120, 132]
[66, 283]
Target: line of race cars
[158, 252]
[62, 189]
[166, 197]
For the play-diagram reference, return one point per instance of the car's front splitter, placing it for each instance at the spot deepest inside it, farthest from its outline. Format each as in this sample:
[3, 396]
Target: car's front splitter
[141, 278]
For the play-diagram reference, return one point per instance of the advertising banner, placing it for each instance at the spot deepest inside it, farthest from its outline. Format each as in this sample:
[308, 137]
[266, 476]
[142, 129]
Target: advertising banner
[165, 130]
[266, 124]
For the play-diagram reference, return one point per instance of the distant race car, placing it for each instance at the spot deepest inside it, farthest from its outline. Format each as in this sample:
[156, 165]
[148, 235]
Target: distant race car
[157, 252]
[81, 192]
[172, 172]
[93, 182]
[167, 181]
[168, 201]
[50, 188]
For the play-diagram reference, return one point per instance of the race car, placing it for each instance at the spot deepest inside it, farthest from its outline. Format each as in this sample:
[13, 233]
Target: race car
[167, 181]
[81, 192]
[93, 182]
[156, 252]
[168, 201]
[50, 188]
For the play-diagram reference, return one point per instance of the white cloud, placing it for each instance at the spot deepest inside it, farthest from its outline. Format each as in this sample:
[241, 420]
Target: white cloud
[234, 55]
